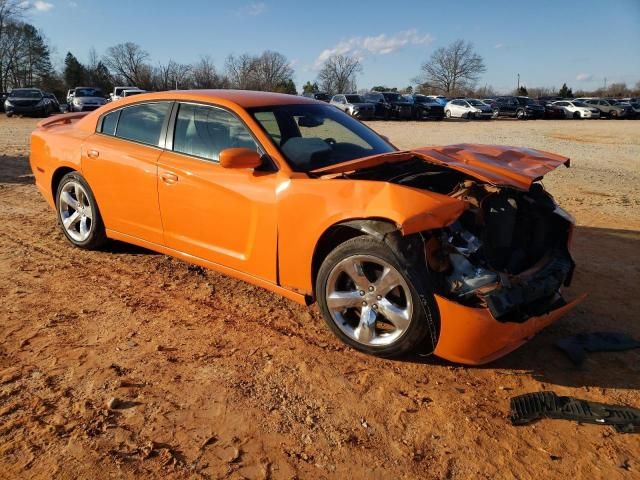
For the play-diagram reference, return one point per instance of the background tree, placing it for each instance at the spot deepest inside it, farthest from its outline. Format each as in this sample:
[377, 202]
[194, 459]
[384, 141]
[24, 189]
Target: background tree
[565, 92]
[272, 72]
[310, 87]
[75, 74]
[286, 86]
[338, 74]
[453, 69]
[522, 91]
[204, 75]
[128, 63]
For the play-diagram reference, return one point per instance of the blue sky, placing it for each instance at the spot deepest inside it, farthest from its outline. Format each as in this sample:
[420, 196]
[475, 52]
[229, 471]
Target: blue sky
[548, 42]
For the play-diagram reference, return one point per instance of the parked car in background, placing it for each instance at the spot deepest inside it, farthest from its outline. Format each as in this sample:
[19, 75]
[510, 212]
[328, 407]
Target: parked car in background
[323, 97]
[576, 109]
[28, 101]
[3, 97]
[131, 92]
[469, 108]
[453, 250]
[354, 105]
[86, 99]
[426, 108]
[54, 100]
[441, 99]
[552, 111]
[609, 108]
[69, 97]
[390, 105]
[519, 107]
[117, 92]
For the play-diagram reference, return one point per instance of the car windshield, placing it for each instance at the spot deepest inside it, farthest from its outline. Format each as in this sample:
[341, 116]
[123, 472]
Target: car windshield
[128, 93]
[392, 97]
[322, 96]
[354, 98]
[476, 103]
[316, 136]
[526, 101]
[88, 92]
[25, 94]
[580, 104]
[423, 99]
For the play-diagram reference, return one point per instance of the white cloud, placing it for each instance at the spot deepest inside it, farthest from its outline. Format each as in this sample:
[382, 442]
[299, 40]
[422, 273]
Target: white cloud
[584, 77]
[253, 9]
[499, 45]
[42, 6]
[72, 4]
[382, 44]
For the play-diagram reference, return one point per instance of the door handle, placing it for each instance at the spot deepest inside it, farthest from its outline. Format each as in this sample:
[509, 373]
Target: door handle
[169, 178]
[93, 153]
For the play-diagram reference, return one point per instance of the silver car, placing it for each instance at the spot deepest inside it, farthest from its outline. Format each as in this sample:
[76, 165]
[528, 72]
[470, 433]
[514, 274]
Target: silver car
[354, 105]
[86, 99]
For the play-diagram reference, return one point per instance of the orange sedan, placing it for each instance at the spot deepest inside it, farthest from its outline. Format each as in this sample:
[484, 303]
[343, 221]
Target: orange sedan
[455, 250]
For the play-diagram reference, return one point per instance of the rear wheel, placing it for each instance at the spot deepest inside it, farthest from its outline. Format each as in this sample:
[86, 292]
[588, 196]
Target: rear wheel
[374, 301]
[613, 114]
[520, 115]
[495, 114]
[447, 113]
[9, 114]
[78, 213]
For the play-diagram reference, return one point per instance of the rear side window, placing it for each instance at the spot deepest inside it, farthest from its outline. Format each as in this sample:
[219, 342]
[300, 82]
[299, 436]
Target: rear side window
[143, 123]
[109, 123]
[204, 131]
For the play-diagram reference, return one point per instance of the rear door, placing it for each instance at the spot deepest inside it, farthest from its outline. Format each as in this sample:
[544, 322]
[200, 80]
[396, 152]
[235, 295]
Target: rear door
[226, 216]
[120, 163]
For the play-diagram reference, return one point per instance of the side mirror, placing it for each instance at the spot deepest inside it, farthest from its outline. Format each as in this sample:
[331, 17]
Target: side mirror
[240, 158]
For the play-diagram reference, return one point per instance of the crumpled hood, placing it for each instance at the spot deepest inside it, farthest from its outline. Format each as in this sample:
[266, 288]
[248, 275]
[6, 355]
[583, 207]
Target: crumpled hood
[494, 164]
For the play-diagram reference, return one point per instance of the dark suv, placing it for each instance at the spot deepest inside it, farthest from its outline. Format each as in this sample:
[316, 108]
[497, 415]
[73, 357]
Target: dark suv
[390, 105]
[519, 107]
[426, 107]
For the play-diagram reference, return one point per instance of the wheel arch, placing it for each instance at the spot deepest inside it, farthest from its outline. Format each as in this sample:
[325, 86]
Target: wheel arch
[56, 178]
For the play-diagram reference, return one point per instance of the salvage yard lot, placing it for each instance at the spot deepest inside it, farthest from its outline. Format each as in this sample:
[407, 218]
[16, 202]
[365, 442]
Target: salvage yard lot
[214, 378]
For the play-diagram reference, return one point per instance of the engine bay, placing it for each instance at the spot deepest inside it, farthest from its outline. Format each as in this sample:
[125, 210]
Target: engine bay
[506, 252]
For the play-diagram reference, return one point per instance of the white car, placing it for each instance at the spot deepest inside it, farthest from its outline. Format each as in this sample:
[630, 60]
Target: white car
[467, 108]
[130, 92]
[117, 92]
[577, 109]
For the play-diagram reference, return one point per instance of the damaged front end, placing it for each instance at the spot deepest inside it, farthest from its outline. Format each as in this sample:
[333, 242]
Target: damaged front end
[507, 252]
[498, 269]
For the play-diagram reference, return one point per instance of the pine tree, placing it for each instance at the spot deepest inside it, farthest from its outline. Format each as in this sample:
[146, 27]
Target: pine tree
[565, 92]
[75, 74]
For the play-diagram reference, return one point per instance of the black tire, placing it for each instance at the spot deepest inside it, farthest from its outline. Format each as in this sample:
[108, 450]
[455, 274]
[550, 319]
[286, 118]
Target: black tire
[613, 114]
[97, 236]
[447, 113]
[495, 114]
[9, 114]
[520, 115]
[576, 116]
[422, 332]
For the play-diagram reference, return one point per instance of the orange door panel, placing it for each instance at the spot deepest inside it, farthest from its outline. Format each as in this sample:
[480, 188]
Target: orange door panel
[226, 216]
[123, 176]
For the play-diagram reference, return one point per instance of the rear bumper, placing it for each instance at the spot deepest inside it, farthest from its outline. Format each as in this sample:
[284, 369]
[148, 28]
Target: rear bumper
[472, 336]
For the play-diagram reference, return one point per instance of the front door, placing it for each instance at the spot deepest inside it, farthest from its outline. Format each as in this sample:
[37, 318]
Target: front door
[226, 216]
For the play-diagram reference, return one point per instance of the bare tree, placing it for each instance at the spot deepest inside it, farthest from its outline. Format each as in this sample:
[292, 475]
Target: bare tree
[338, 74]
[241, 71]
[453, 69]
[204, 75]
[129, 62]
[172, 75]
[272, 70]
[11, 12]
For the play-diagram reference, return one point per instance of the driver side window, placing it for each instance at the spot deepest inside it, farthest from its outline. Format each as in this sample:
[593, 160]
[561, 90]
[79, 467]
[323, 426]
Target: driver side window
[204, 131]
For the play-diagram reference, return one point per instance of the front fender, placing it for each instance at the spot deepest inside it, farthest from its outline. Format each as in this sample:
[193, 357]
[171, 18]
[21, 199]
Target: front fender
[309, 207]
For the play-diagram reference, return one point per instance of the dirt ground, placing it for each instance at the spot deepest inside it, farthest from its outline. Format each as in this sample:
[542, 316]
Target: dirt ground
[209, 377]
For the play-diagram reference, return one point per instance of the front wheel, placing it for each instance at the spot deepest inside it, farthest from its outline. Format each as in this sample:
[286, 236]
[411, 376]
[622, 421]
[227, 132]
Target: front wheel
[576, 116]
[447, 113]
[375, 301]
[520, 115]
[78, 213]
[495, 114]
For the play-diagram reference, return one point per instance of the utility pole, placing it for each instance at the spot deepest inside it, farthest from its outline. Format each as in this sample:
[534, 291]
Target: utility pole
[518, 89]
[605, 83]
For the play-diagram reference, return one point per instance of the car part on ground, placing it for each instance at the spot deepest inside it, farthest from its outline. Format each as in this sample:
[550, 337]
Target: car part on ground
[530, 407]
[476, 248]
[577, 346]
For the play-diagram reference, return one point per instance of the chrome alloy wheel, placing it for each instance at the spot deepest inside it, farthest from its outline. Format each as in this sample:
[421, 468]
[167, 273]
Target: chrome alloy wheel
[369, 300]
[75, 211]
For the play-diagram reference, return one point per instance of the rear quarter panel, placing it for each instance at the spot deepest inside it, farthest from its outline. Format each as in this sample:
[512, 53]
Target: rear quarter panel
[53, 148]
